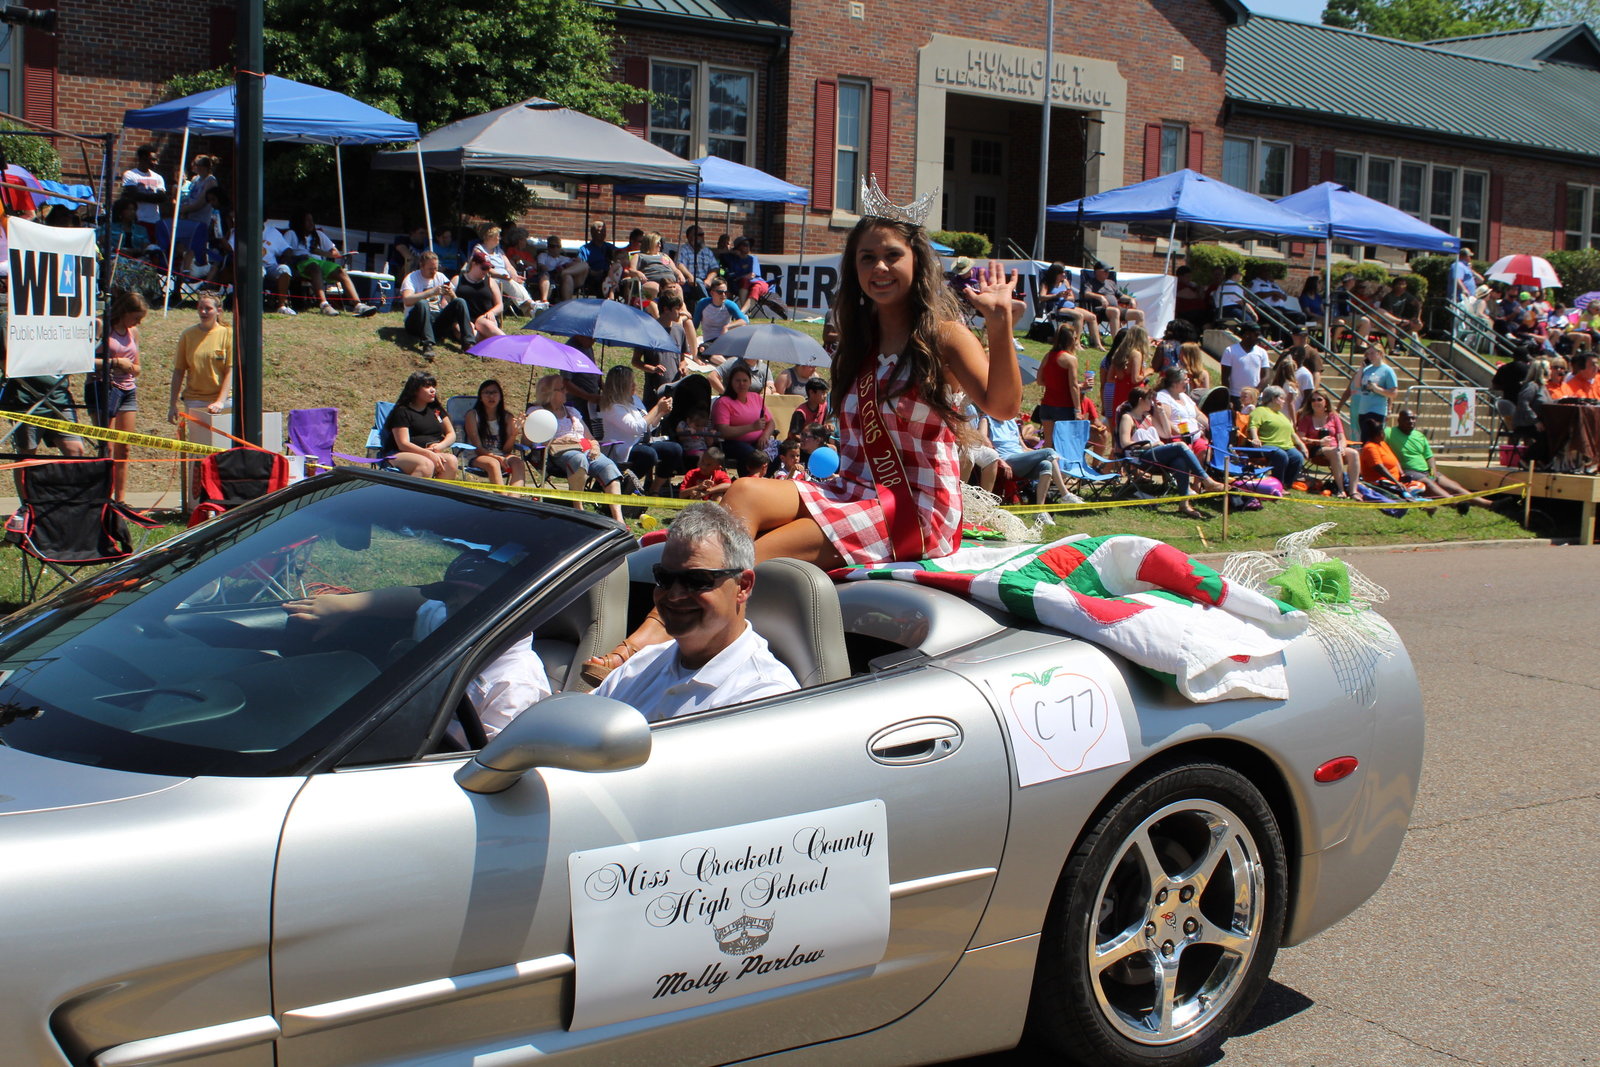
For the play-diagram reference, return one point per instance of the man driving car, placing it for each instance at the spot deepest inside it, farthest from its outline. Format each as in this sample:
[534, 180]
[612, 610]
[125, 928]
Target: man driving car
[715, 658]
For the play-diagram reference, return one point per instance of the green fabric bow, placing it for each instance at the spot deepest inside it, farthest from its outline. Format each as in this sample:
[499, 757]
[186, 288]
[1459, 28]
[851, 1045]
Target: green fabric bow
[1304, 588]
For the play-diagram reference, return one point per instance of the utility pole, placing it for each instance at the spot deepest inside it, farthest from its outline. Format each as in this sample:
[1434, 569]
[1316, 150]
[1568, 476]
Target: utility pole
[248, 211]
[1044, 125]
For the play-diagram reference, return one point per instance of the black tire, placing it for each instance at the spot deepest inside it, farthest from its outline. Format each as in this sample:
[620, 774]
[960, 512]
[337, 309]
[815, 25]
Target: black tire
[1221, 929]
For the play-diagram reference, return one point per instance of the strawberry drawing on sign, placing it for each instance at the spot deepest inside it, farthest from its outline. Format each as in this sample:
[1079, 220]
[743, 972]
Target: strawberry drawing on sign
[1063, 715]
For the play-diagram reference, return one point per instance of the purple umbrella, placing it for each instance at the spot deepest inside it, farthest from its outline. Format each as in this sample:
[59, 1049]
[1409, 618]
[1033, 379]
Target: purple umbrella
[1586, 299]
[534, 350]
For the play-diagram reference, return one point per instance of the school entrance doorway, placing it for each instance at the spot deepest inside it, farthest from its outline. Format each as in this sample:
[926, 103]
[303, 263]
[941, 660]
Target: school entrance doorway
[991, 171]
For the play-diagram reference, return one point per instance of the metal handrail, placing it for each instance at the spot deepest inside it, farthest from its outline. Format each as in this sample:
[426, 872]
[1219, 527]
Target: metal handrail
[1409, 343]
[1413, 346]
[1462, 320]
[1267, 313]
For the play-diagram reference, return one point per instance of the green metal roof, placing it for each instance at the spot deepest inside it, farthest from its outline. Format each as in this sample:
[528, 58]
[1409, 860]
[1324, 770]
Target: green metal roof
[750, 13]
[1523, 46]
[1432, 89]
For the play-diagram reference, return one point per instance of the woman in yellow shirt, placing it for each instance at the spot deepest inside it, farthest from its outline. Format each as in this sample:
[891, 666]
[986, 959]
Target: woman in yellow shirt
[202, 373]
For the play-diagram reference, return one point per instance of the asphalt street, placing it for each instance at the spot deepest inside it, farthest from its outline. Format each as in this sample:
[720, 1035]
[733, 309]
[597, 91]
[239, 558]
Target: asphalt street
[1481, 947]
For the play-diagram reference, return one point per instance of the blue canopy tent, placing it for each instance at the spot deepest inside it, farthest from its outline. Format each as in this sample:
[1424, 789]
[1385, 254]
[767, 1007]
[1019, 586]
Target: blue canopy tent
[300, 114]
[1347, 215]
[722, 179]
[1205, 207]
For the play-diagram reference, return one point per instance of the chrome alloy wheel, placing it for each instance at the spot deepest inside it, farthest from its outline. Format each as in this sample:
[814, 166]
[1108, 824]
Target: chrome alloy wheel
[1178, 919]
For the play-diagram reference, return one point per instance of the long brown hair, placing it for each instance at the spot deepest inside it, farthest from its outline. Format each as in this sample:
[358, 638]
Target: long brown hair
[1122, 353]
[932, 304]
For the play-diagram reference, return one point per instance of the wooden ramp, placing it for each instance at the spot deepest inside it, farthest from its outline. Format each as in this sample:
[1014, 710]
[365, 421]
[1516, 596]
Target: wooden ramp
[1584, 488]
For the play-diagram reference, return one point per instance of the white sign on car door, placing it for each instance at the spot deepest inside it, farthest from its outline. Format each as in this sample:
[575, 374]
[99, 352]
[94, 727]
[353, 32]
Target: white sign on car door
[679, 921]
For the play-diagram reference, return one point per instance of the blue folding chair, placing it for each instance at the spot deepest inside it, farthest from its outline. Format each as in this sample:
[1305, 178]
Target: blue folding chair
[1227, 460]
[457, 407]
[1070, 439]
[375, 438]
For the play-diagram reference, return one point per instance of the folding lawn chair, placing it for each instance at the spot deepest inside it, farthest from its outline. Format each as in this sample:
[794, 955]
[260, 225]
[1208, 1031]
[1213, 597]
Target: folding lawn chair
[457, 407]
[1228, 460]
[377, 440]
[312, 432]
[68, 521]
[1070, 439]
[237, 476]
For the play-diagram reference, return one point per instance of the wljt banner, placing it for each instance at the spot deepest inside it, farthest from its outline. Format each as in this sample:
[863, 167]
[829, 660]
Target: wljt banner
[50, 325]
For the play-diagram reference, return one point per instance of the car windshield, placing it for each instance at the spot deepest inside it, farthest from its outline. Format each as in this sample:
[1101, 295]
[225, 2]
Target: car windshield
[199, 658]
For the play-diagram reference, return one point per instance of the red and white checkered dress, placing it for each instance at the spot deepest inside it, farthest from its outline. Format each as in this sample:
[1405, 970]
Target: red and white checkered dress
[847, 507]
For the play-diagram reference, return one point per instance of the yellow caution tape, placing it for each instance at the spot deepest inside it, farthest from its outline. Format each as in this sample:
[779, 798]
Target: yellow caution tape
[116, 437]
[1324, 501]
[144, 440]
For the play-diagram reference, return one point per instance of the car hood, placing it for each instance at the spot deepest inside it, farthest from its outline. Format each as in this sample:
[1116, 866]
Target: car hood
[39, 783]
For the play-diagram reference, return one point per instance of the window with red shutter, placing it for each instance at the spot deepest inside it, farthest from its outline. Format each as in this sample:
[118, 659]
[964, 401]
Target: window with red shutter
[1497, 193]
[823, 144]
[1302, 180]
[636, 117]
[39, 72]
[1558, 238]
[878, 137]
[1152, 150]
[1197, 151]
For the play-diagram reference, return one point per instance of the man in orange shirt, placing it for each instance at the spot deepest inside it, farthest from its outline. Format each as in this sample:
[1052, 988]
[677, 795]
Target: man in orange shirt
[1582, 381]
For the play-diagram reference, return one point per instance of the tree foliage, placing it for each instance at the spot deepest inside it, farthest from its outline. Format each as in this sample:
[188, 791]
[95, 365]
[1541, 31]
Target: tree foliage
[432, 66]
[1427, 20]
[32, 153]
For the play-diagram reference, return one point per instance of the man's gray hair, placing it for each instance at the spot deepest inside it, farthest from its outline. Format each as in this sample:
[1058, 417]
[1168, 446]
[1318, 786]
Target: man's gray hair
[1269, 394]
[701, 521]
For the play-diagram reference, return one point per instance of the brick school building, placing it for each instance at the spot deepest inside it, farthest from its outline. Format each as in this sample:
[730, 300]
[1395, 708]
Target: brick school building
[1494, 137]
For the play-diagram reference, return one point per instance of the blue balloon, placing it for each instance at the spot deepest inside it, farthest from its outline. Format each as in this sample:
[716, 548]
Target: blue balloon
[824, 462]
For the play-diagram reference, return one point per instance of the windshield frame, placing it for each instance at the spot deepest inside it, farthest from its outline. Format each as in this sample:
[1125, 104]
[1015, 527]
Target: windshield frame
[573, 548]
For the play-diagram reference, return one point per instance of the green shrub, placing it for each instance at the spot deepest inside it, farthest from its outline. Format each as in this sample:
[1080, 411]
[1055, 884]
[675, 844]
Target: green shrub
[1276, 269]
[1579, 270]
[973, 245]
[1211, 263]
[1367, 272]
[1435, 272]
[34, 153]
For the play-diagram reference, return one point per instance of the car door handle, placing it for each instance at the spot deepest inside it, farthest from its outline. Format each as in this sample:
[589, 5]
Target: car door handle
[915, 741]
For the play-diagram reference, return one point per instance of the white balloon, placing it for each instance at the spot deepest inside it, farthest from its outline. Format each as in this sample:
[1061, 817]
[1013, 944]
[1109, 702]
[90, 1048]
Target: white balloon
[540, 426]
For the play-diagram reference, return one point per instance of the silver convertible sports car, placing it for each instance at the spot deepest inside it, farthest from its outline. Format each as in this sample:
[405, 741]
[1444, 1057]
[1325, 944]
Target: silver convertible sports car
[241, 831]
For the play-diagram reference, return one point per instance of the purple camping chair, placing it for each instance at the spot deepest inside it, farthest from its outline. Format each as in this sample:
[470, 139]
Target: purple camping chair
[312, 432]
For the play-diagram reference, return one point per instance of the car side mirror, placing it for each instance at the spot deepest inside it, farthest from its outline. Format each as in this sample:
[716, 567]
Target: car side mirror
[571, 731]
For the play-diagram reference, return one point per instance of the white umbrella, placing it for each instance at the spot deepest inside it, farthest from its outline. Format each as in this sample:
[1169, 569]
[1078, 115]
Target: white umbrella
[1524, 270]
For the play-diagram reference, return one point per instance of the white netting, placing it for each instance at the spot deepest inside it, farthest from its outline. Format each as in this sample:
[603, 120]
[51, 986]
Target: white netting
[982, 508]
[1355, 638]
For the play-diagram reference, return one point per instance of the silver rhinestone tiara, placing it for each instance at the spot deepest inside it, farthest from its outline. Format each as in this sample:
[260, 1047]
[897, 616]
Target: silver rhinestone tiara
[875, 204]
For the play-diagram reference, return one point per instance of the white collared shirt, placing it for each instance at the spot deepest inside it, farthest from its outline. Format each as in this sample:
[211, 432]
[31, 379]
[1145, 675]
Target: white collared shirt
[656, 682]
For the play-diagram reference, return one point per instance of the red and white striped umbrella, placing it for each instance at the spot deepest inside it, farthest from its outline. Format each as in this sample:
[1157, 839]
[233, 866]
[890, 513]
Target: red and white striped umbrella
[1524, 270]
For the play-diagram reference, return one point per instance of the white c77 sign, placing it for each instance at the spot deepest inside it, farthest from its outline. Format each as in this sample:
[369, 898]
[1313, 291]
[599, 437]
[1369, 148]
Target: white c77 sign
[677, 922]
[50, 326]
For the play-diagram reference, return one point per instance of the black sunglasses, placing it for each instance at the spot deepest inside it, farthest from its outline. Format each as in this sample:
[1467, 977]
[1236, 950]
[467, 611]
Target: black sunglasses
[695, 579]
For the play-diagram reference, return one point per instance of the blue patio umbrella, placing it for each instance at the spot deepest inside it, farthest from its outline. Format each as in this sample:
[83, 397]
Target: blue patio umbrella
[610, 321]
[771, 343]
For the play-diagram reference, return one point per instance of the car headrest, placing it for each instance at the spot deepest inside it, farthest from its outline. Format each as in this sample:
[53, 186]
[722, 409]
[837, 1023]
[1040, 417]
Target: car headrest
[593, 624]
[796, 608]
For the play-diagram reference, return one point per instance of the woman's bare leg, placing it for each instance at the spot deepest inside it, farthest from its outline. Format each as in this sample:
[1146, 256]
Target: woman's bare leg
[490, 466]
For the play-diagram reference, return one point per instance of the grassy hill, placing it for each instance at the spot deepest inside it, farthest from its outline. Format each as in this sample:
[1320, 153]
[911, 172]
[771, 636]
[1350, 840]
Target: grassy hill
[349, 363]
